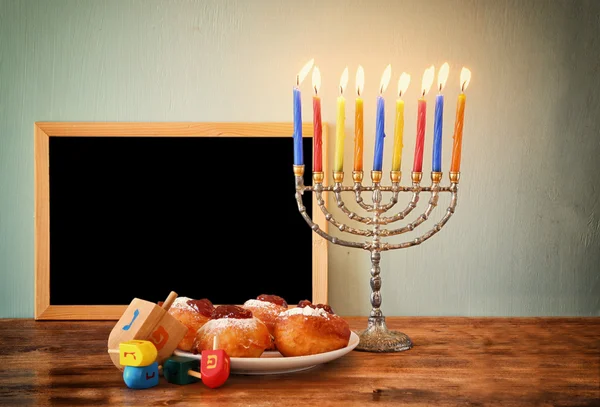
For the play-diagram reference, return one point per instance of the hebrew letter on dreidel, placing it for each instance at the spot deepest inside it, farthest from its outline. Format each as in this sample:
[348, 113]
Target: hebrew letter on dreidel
[159, 337]
[136, 313]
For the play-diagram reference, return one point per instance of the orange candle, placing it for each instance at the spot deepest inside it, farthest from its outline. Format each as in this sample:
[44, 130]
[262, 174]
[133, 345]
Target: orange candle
[358, 121]
[465, 78]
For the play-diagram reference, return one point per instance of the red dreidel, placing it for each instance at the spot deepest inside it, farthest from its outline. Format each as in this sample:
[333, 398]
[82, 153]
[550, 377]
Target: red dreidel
[215, 366]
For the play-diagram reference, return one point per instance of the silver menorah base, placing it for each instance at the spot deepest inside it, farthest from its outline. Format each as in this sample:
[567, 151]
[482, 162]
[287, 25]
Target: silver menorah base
[377, 337]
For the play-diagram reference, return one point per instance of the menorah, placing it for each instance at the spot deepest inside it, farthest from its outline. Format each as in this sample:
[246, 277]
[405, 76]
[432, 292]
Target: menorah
[377, 337]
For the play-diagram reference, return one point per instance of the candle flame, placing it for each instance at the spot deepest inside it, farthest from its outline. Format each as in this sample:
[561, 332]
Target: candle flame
[465, 78]
[403, 83]
[344, 80]
[304, 71]
[427, 80]
[316, 79]
[360, 80]
[385, 79]
[443, 76]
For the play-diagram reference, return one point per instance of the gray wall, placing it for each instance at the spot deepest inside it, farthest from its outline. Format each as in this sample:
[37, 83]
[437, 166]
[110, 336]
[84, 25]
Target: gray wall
[525, 239]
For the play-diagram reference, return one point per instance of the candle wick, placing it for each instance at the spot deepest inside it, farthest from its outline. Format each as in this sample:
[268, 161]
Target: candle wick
[315, 89]
[341, 90]
[358, 91]
[423, 93]
[297, 80]
[462, 88]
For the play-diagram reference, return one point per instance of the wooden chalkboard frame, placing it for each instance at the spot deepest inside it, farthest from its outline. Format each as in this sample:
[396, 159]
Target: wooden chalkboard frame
[44, 130]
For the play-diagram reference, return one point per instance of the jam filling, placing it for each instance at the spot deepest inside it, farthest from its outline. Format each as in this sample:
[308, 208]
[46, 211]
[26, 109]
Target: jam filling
[307, 303]
[274, 299]
[231, 311]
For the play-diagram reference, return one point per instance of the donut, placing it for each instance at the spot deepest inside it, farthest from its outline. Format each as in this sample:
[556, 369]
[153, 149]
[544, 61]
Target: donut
[239, 333]
[193, 314]
[309, 329]
[266, 308]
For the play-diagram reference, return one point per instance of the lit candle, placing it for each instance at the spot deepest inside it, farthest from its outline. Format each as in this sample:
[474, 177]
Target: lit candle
[465, 78]
[421, 116]
[317, 127]
[399, 129]
[358, 120]
[380, 120]
[341, 122]
[298, 152]
[436, 165]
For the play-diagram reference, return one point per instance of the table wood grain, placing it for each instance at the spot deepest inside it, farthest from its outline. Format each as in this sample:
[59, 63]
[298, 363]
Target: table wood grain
[455, 362]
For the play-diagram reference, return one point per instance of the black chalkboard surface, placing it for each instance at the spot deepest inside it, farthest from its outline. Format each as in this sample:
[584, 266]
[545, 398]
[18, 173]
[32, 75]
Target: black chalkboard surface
[207, 217]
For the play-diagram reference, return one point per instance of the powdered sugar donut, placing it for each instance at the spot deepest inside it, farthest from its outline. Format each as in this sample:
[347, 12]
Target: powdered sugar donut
[310, 329]
[239, 333]
[193, 314]
[267, 308]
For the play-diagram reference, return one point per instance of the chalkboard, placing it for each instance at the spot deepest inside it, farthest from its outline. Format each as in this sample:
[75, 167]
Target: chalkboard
[141, 215]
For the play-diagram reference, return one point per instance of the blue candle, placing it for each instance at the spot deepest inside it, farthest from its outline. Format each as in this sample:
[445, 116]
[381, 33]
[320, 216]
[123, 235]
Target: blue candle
[379, 134]
[437, 134]
[380, 119]
[298, 152]
[436, 164]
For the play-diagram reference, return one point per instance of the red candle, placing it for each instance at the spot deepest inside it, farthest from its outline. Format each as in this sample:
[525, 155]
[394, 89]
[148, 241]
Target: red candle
[421, 116]
[318, 128]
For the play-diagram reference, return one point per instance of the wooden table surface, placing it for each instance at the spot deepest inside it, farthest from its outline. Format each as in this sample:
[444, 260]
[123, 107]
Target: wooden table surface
[455, 362]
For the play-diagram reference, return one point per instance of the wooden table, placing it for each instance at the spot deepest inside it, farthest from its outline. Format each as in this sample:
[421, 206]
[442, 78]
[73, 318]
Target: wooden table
[455, 362]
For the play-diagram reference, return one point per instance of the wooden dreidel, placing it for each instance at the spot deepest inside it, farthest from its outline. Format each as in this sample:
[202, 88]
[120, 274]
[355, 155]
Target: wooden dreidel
[215, 366]
[136, 353]
[181, 370]
[144, 320]
[141, 377]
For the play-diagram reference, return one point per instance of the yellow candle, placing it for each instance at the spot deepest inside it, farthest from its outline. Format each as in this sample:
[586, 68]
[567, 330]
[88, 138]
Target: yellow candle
[465, 77]
[358, 121]
[399, 129]
[398, 134]
[340, 133]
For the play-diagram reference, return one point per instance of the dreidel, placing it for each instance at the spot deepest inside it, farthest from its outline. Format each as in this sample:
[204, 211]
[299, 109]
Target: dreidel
[144, 320]
[181, 370]
[136, 353]
[141, 377]
[215, 366]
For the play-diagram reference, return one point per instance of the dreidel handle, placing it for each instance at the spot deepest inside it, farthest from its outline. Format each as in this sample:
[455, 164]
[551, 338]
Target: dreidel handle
[169, 301]
[195, 374]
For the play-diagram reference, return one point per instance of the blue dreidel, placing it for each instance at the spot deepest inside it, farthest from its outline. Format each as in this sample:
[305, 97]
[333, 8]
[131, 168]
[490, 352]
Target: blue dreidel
[142, 377]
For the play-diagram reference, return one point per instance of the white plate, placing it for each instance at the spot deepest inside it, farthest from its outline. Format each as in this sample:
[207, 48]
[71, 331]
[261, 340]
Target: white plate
[274, 363]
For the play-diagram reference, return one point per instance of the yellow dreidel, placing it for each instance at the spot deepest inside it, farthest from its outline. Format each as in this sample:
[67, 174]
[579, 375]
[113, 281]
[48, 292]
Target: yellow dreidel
[146, 321]
[136, 353]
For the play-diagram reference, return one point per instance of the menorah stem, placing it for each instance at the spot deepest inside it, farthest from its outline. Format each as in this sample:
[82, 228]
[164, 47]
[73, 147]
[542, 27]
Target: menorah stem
[377, 337]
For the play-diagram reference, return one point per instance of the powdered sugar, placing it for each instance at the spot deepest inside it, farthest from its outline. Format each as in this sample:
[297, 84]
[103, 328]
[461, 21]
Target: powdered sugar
[181, 303]
[240, 323]
[306, 311]
[260, 304]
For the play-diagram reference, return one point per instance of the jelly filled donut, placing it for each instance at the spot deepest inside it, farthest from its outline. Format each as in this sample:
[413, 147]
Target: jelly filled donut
[193, 314]
[240, 334]
[310, 329]
[267, 308]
